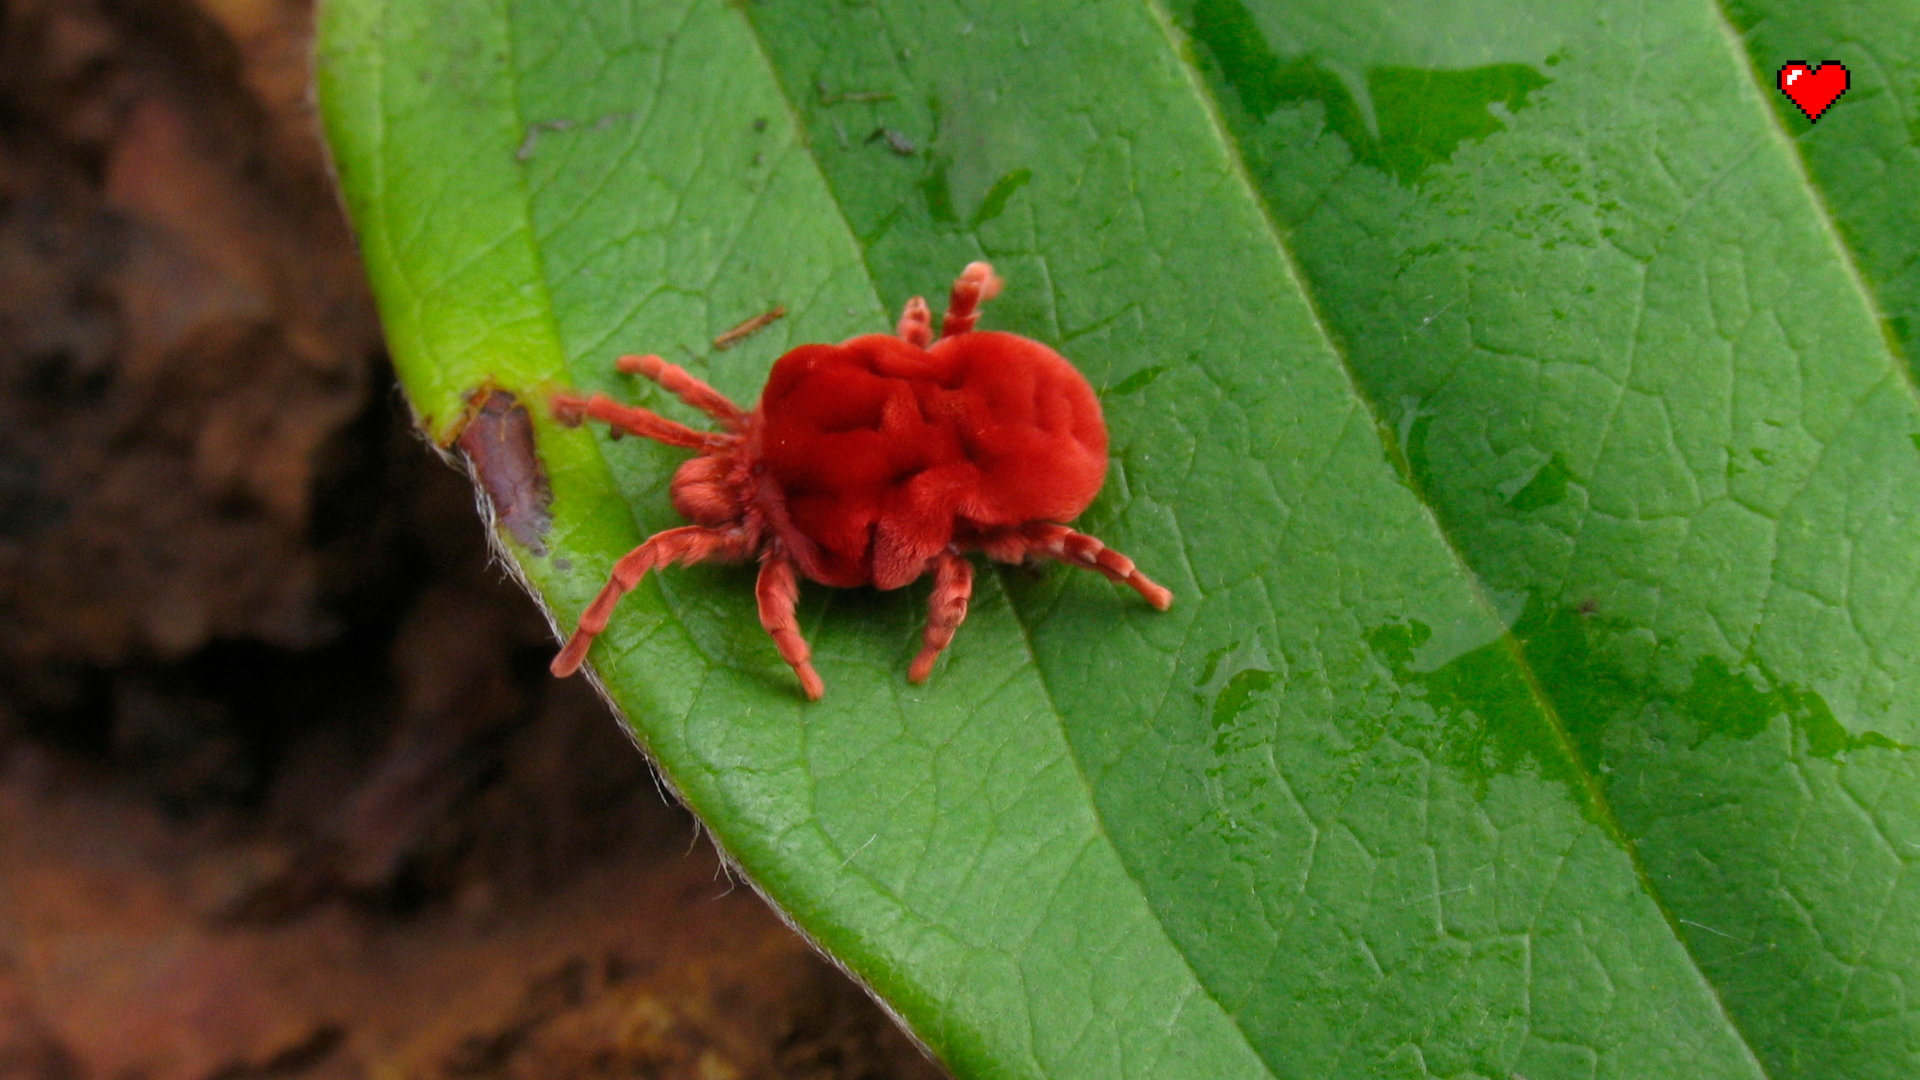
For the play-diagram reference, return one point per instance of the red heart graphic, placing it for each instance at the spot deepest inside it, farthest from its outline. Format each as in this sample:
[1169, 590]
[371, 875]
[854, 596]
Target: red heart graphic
[1813, 89]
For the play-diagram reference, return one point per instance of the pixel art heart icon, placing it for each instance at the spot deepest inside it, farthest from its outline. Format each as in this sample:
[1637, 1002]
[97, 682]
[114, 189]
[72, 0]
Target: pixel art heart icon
[1813, 88]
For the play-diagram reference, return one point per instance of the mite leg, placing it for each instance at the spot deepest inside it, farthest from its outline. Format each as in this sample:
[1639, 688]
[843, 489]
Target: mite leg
[687, 544]
[1077, 549]
[778, 590]
[679, 382]
[976, 285]
[916, 322]
[946, 610]
[570, 410]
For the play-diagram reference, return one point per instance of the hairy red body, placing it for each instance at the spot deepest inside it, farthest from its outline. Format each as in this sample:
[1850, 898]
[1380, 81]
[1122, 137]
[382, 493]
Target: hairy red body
[875, 462]
[886, 452]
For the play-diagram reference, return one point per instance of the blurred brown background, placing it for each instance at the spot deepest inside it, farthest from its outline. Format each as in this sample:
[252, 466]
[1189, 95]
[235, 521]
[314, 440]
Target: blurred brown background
[285, 790]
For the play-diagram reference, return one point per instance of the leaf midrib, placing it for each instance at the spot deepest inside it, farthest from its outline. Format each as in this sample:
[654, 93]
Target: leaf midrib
[550, 315]
[1589, 782]
[803, 141]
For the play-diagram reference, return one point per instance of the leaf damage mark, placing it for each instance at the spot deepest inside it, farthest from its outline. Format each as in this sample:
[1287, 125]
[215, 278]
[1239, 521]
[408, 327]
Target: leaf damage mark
[750, 327]
[896, 142]
[828, 100]
[535, 129]
[497, 441]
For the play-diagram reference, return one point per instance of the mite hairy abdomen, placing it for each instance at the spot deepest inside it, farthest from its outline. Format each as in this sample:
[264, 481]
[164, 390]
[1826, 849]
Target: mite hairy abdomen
[883, 449]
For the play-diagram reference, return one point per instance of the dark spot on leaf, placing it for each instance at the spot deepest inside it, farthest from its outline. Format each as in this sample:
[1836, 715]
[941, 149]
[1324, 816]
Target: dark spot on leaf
[1213, 662]
[1240, 50]
[1601, 694]
[995, 203]
[1238, 694]
[896, 142]
[499, 448]
[1726, 703]
[1743, 15]
[1425, 114]
[1139, 379]
[1899, 329]
[1547, 487]
[1476, 712]
[1421, 115]
[939, 195]
[1741, 704]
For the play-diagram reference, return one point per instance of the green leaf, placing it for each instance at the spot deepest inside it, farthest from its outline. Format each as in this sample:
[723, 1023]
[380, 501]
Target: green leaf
[1635, 353]
[1503, 397]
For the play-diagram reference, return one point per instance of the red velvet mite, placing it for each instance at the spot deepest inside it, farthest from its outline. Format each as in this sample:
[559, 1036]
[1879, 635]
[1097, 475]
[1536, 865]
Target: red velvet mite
[873, 462]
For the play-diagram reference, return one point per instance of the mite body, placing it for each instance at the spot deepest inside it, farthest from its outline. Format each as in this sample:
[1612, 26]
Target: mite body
[874, 462]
